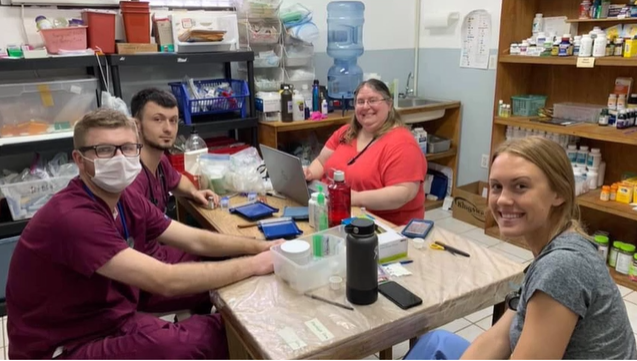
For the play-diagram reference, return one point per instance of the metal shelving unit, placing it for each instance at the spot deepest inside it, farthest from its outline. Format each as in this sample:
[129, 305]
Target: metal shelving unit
[205, 123]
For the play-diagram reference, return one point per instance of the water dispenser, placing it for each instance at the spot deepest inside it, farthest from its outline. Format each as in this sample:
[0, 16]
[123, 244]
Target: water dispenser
[345, 21]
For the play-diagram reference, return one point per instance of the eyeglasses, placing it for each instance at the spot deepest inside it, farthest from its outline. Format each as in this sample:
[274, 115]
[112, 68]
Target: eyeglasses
[372, 102]
[109, 150]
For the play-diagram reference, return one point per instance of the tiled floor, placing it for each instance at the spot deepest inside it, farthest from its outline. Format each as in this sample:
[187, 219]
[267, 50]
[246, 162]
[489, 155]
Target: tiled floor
[474, 325]
[468, 327]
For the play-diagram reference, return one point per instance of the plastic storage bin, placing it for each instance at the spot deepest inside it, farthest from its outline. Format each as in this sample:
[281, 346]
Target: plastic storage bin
[587, 113]
[101, 29]
[261, 60]
[528, 105]
[316, 273]
[259, 31]
[257, 8]
[33, 108]
[190, 106]
[136, 16]
[298, 54]
[437, 144]
[61, 39]
[25, 198]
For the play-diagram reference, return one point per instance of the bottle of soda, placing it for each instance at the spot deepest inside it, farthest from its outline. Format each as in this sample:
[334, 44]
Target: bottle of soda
[340, 204]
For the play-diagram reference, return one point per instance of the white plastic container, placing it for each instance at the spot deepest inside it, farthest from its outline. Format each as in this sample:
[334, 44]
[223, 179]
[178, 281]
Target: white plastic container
[591, 179]
[571, 152]
[25, 198]
[594, 158]
[586, 47]
[538, 24]
[317, 272]
[298, 251]
[311, 207]
[599, 46]
[45, 106]
[582, 155]
[601, 172]
[298, 106]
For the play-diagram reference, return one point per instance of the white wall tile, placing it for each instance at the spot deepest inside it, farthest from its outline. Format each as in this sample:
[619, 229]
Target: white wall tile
[455, 326]
[479, 236]
[454, 225]
[624, 291]
[515, 250]
[400, 350]
[485, 323]
[470, 333]
[477, 316]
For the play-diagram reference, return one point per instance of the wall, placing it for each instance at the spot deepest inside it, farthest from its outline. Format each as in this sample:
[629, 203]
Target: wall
[440, 76]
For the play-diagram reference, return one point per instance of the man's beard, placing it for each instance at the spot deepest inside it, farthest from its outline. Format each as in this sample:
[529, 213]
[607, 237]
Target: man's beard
[157, 146]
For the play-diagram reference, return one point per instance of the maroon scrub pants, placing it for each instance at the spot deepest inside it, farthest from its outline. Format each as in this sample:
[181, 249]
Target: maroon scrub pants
[148, 337]
[198, 303]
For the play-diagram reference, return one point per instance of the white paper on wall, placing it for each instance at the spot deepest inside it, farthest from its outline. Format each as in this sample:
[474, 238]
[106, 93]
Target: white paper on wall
[476, 40]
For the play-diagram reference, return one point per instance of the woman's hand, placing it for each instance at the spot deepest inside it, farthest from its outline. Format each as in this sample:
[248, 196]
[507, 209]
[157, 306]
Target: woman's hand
[308, 174]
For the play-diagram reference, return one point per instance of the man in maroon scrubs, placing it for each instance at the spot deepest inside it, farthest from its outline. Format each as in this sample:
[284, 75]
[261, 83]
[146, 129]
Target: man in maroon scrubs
[157, 118]
[76, 273]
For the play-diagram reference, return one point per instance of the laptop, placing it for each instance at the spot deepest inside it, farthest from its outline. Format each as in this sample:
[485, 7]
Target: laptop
[286, 174]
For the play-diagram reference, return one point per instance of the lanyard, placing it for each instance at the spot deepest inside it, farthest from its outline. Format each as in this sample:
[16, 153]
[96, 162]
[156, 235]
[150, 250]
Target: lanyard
[351, 161]
[160, 171]
[122, 217]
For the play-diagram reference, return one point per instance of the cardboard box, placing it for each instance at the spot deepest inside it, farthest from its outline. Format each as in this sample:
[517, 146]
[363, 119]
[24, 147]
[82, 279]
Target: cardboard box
[131, 48]
[630, 48]
[391, 244]
[163, 30]
[470, 203]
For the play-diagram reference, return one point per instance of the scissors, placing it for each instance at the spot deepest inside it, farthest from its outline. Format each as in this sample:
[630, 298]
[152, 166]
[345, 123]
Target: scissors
[442, 247]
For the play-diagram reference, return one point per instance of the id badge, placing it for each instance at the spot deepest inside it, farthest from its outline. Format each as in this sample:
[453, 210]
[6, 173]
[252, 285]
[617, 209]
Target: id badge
[130, 242]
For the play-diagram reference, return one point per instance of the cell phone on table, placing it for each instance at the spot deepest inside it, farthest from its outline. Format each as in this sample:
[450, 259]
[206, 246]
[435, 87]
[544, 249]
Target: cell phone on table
[399, 295]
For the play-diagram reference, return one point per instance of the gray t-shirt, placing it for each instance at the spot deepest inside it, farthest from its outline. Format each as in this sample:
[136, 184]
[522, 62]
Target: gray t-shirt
[570, 270]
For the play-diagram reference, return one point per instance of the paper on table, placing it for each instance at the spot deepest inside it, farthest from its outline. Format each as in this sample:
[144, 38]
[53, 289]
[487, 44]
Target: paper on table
[476, 40]
[319, 330]
[291, 338]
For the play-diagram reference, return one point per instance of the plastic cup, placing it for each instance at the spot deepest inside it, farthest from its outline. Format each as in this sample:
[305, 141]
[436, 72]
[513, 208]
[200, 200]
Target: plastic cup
[335, 282]
[419, 243]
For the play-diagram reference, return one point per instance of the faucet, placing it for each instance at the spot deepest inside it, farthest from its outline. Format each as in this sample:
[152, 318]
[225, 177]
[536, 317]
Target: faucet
[408, 91]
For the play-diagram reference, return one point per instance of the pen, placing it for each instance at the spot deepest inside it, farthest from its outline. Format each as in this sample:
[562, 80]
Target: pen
[408, 261]
[330, 302]
[453, 250]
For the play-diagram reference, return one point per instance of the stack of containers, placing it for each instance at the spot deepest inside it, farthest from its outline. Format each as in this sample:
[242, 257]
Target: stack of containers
[136, 15]
[298, 51]
[260, 31]
[101, 29]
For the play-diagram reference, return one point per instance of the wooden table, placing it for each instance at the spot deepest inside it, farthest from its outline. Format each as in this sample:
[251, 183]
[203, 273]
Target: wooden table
[256, 311]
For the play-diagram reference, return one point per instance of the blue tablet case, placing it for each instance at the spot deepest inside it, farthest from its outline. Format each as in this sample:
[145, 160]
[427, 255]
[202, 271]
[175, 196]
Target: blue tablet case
[254, 211]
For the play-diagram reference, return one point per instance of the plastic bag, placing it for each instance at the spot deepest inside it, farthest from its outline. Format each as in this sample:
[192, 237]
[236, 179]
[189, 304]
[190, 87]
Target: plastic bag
[213, 169]
[296, 14]
[244, 174]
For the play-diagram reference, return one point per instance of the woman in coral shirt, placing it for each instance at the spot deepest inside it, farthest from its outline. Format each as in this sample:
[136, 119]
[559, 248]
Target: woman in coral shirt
[382, 162]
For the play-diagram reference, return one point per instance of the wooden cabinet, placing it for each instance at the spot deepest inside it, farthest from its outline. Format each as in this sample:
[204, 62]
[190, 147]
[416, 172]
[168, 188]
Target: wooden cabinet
[562, 81]
[276, 134]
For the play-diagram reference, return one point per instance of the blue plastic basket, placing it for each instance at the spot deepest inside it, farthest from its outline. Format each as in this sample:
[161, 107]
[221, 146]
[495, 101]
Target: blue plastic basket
[237, 102]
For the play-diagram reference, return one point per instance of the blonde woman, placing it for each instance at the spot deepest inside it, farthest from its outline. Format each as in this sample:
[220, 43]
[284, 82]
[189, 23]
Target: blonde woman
[382, 162]
[568, 306]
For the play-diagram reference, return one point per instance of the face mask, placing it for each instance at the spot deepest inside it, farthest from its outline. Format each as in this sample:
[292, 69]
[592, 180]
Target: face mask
[115, 174]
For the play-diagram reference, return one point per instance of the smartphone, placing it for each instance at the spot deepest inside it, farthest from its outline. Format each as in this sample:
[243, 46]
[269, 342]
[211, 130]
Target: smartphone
[399, 295]
[418, 228]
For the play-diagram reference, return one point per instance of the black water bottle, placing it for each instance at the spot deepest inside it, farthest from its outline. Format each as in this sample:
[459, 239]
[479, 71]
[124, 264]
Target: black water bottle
[362, 262]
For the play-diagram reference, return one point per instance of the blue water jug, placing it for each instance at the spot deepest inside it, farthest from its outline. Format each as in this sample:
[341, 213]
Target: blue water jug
[345, 21]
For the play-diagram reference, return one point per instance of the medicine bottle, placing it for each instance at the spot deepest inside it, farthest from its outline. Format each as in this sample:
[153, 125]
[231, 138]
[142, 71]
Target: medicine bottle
[632, 273]
[605, 194]
[602, 245]
[625, 258]
[612, 253]
[613, 191]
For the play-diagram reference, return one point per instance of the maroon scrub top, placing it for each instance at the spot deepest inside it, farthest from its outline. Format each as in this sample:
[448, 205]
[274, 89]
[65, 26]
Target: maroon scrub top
[54, 295]
[155, 188]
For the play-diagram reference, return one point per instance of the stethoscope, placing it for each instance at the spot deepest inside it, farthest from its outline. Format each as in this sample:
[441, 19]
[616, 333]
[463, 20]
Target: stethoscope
[153, 199]
[127, 238]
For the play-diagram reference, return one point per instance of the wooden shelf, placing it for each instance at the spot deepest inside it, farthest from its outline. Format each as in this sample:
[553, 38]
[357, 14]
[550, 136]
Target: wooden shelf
[429, 205]
[622, 279]
[568, 60]
[434, 156]
[589, 131]
[607, 20]
[591, 200]
[619, 278]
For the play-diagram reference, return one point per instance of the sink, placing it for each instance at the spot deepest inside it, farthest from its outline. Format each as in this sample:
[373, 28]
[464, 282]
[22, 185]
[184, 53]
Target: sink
[415, 102]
